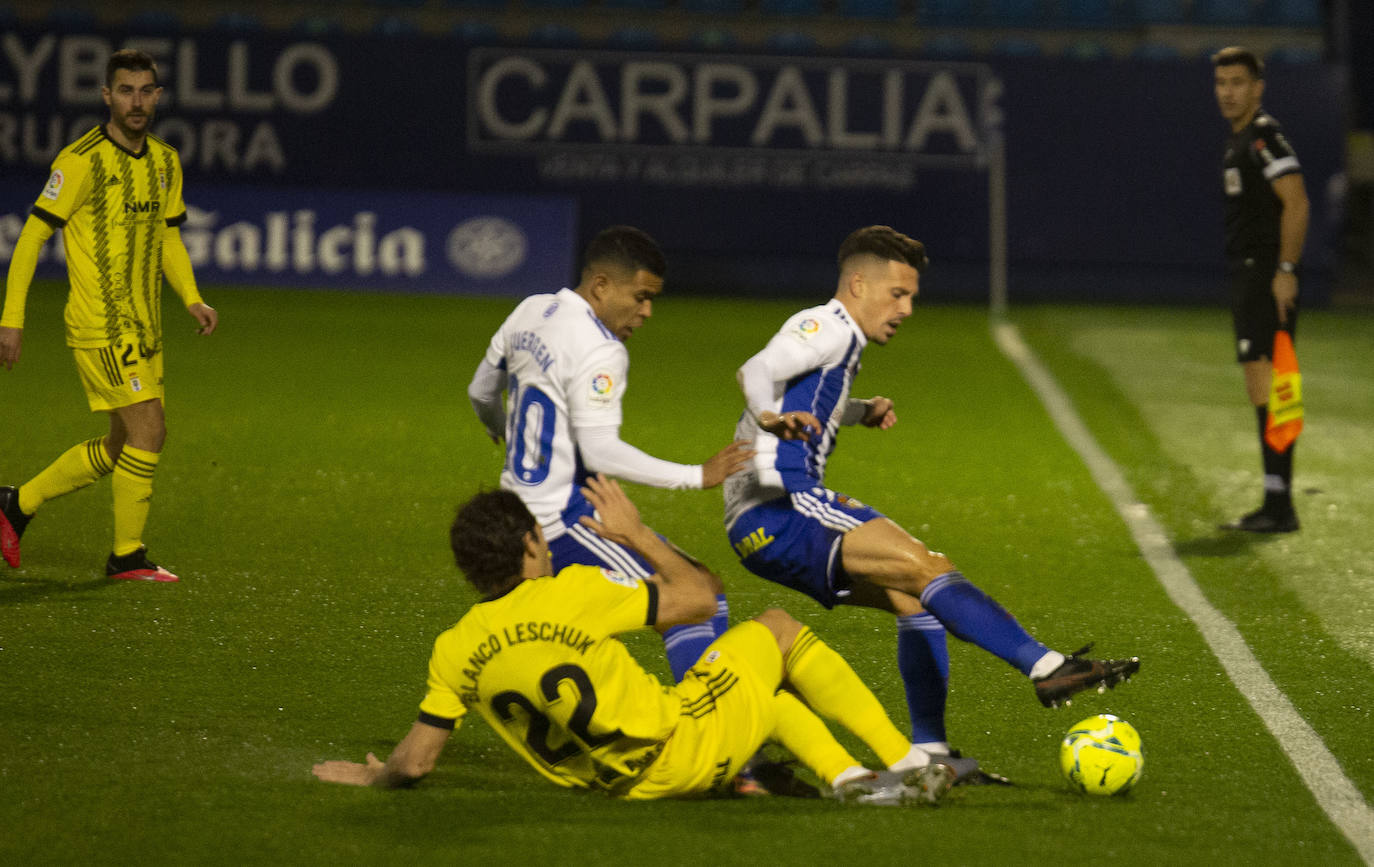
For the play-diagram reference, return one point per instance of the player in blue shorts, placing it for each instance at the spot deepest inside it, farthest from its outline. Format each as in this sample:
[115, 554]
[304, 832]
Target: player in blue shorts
[787, 527]
[561, 360]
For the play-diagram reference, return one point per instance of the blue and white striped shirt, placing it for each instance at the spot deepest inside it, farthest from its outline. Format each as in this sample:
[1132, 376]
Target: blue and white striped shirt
[809, 365]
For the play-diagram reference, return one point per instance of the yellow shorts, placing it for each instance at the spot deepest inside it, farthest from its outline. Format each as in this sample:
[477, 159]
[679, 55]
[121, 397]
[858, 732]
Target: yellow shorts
[121, 374]
[727, 714]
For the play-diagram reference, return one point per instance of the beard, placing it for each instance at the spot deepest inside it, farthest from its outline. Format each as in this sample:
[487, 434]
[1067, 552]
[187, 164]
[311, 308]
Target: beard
[134, 124]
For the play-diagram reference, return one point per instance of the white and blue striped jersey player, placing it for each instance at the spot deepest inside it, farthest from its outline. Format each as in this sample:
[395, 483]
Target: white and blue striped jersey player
[564, 373]
[783, 522]
[788, 527]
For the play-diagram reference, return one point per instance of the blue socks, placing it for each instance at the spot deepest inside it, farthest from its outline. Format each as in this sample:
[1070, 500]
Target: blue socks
[973, 616]
[923, 660]
[685, 644]
[721, 621]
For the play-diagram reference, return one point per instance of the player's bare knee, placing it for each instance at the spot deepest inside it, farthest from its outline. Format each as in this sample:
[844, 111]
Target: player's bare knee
[783, 626]
[152, 435]
[143, 426]
[940, 565]
[149, 441]
[114, 446]
[904, 604]
[929, 565]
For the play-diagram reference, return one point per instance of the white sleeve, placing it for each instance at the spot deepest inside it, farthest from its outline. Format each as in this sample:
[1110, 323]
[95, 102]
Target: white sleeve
[485, 393]
[764, 378]
[603, 451]
[855, 410]
[597, 386]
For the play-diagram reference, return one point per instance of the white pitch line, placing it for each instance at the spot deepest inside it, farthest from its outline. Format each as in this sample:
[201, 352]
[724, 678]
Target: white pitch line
[1319, 770]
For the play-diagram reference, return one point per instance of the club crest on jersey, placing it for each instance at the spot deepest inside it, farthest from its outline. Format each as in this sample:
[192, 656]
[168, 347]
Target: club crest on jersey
[134, 384]
[620, 578]
[602, 385]
[54, 186]
[162, 178]
[848, 502]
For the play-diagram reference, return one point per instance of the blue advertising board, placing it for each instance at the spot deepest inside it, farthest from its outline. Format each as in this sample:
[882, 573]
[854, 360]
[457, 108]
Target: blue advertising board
[749, 169]
[387, 241]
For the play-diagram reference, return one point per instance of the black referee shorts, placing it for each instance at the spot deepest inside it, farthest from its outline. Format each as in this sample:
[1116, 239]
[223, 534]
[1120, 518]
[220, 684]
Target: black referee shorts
[1254, 315]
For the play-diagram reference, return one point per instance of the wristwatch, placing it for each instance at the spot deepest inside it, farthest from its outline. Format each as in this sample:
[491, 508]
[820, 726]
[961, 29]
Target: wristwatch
[1288, 267]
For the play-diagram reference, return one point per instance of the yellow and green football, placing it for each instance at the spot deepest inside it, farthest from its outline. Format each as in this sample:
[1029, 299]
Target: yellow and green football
[1101, 755]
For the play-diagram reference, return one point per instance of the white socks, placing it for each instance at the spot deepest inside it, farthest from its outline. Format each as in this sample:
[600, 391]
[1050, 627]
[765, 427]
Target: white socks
[915, 758]
[1047, 664]
[853, 772]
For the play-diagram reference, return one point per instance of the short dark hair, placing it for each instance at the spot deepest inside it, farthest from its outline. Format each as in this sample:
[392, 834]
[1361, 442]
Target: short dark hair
[625, 247]
[1236, 55]
[886, 243]
[131, 59]
[488, 539]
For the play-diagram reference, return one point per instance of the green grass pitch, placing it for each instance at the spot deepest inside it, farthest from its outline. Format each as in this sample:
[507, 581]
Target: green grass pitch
[320, 441]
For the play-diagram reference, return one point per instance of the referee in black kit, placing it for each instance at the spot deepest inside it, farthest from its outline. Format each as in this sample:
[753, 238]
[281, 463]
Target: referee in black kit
[1266, 224]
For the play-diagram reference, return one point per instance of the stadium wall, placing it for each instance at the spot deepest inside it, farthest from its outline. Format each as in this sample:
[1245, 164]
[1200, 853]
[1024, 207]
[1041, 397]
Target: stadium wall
[749, 168]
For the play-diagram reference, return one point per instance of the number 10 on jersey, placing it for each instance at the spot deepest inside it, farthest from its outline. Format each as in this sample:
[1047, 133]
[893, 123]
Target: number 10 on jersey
[529, 434]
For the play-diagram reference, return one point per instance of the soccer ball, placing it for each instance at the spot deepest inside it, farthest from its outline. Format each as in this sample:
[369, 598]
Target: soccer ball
[1101, 755]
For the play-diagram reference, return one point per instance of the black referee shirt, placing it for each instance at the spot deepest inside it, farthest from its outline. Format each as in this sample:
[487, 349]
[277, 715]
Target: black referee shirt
[1255, 157]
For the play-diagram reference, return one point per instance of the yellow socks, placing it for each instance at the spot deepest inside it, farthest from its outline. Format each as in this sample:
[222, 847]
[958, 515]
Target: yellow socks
[830, 686]
[802, 732]
[81, 465]
[78, 467]
[133, 493]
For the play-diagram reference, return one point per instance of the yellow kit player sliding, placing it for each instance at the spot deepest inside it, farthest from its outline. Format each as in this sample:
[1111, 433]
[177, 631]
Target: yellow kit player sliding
[116, 194]
[538, 658]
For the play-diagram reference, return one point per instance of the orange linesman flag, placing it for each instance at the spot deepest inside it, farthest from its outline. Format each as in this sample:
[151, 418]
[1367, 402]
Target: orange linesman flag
[1285, 396]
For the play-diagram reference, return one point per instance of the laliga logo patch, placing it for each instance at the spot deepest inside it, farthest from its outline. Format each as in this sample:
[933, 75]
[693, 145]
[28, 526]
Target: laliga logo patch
[809, 327]
[602, 384]
[620, 578]
[54, 186]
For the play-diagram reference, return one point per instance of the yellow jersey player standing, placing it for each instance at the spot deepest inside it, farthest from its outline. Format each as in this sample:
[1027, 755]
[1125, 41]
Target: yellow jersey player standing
[116, 194]
[539, 659]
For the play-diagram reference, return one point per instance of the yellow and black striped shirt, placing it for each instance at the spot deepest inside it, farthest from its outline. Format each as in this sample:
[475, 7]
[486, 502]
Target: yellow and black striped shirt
[113, 207]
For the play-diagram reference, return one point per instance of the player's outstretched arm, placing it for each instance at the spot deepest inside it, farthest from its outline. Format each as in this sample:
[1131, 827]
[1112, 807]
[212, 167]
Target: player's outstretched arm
[603, 451]
[413, 758]
[616, 516]
[686, 588]
[726, 462]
